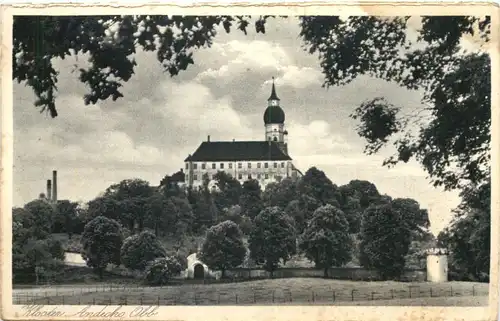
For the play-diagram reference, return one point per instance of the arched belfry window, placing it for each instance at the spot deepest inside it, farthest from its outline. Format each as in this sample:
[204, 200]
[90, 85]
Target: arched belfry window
[275, 139]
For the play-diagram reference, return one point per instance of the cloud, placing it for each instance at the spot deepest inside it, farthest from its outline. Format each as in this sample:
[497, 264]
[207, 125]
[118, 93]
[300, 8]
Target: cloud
[258, 56]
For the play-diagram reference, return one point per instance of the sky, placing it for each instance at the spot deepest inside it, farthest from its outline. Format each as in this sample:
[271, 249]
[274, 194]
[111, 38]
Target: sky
[148, 133]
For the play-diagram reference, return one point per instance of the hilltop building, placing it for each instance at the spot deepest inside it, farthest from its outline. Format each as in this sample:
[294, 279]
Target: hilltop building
[265, 161]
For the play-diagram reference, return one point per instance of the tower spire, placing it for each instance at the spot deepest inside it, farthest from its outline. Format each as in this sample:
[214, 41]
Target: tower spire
[273, 93]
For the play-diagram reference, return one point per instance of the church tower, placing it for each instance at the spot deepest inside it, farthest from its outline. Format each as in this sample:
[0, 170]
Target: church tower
[274, 121]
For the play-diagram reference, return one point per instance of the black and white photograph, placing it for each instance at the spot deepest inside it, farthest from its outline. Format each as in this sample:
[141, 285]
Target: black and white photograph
[250, 160]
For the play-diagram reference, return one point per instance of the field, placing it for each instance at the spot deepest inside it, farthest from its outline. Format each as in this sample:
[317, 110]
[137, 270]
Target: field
[262, 292]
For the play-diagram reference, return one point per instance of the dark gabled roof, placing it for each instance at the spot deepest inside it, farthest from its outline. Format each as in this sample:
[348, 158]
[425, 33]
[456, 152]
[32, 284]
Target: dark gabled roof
[237, 151]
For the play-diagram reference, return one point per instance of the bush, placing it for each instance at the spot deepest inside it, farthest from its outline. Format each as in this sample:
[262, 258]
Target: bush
[161, 270]
[139, 249]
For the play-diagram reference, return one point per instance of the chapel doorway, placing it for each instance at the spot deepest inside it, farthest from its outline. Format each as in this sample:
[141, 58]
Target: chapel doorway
[199, 271]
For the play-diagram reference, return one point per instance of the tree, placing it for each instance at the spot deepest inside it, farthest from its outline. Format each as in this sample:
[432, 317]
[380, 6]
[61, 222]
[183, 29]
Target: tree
[35, 259]
[452, 143]
[303, 213]
[180, 217]
[316, 184]
[131, 197]
[228, 190]
[251, 198]
[160, 270]
[468, 236]
[280, 193]
[415, 218]
[272, 239]
[202, 201]
[385, 240]
[156, 216]
[139, 249]
[66, 217]
[326, 240]
[41, 218]
[32, 258]
[101, 242]
[223, 247]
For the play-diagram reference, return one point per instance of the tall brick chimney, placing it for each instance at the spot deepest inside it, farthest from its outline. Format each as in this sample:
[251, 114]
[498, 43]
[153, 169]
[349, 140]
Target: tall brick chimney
[49, 190]
[54, 186]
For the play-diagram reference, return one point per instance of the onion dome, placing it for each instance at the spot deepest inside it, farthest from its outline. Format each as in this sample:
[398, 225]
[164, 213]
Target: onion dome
[274, 115]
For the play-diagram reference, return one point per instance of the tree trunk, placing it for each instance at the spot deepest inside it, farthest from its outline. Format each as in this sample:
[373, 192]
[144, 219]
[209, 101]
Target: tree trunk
[325, 272]
[223, 274]
[101, 273]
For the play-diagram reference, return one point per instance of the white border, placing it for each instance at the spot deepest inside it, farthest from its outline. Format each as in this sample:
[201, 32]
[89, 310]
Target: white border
[9, 312]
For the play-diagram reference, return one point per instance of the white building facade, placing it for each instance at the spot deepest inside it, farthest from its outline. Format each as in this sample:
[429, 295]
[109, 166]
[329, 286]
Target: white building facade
[266, 161]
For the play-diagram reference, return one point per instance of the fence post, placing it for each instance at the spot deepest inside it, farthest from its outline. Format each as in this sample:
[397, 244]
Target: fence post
[430, 290]
[93, 301]
[352, 295]
[254, 297]
[474, 290]
[333, 296]
[409, 290]
[313, 298]
[236, 298]
[195, 299]
[141, 299]
[451, 290]
[273, 296]
[218, 298]
[392, 293]
[63, 299]
[158, 301]
[373, 294]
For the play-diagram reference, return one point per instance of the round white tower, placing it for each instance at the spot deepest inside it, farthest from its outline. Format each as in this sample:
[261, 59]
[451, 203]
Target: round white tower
[437, 265]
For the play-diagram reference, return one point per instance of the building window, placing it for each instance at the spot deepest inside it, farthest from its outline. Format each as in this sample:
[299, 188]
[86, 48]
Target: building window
[266, 176]
[221, 165]
[258, 165]
[282, 164]
[249, 176]
[213, 166]
[239, 165]
[249, 165]
[275, 165]
[195, 166]
[187, 166]
[230, 165]
[240, 176]
[258, 176]
[266, 165]
[195, 177]
[203, 166]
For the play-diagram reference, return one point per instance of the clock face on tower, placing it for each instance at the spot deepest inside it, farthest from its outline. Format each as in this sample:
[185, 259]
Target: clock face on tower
[274, 103]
